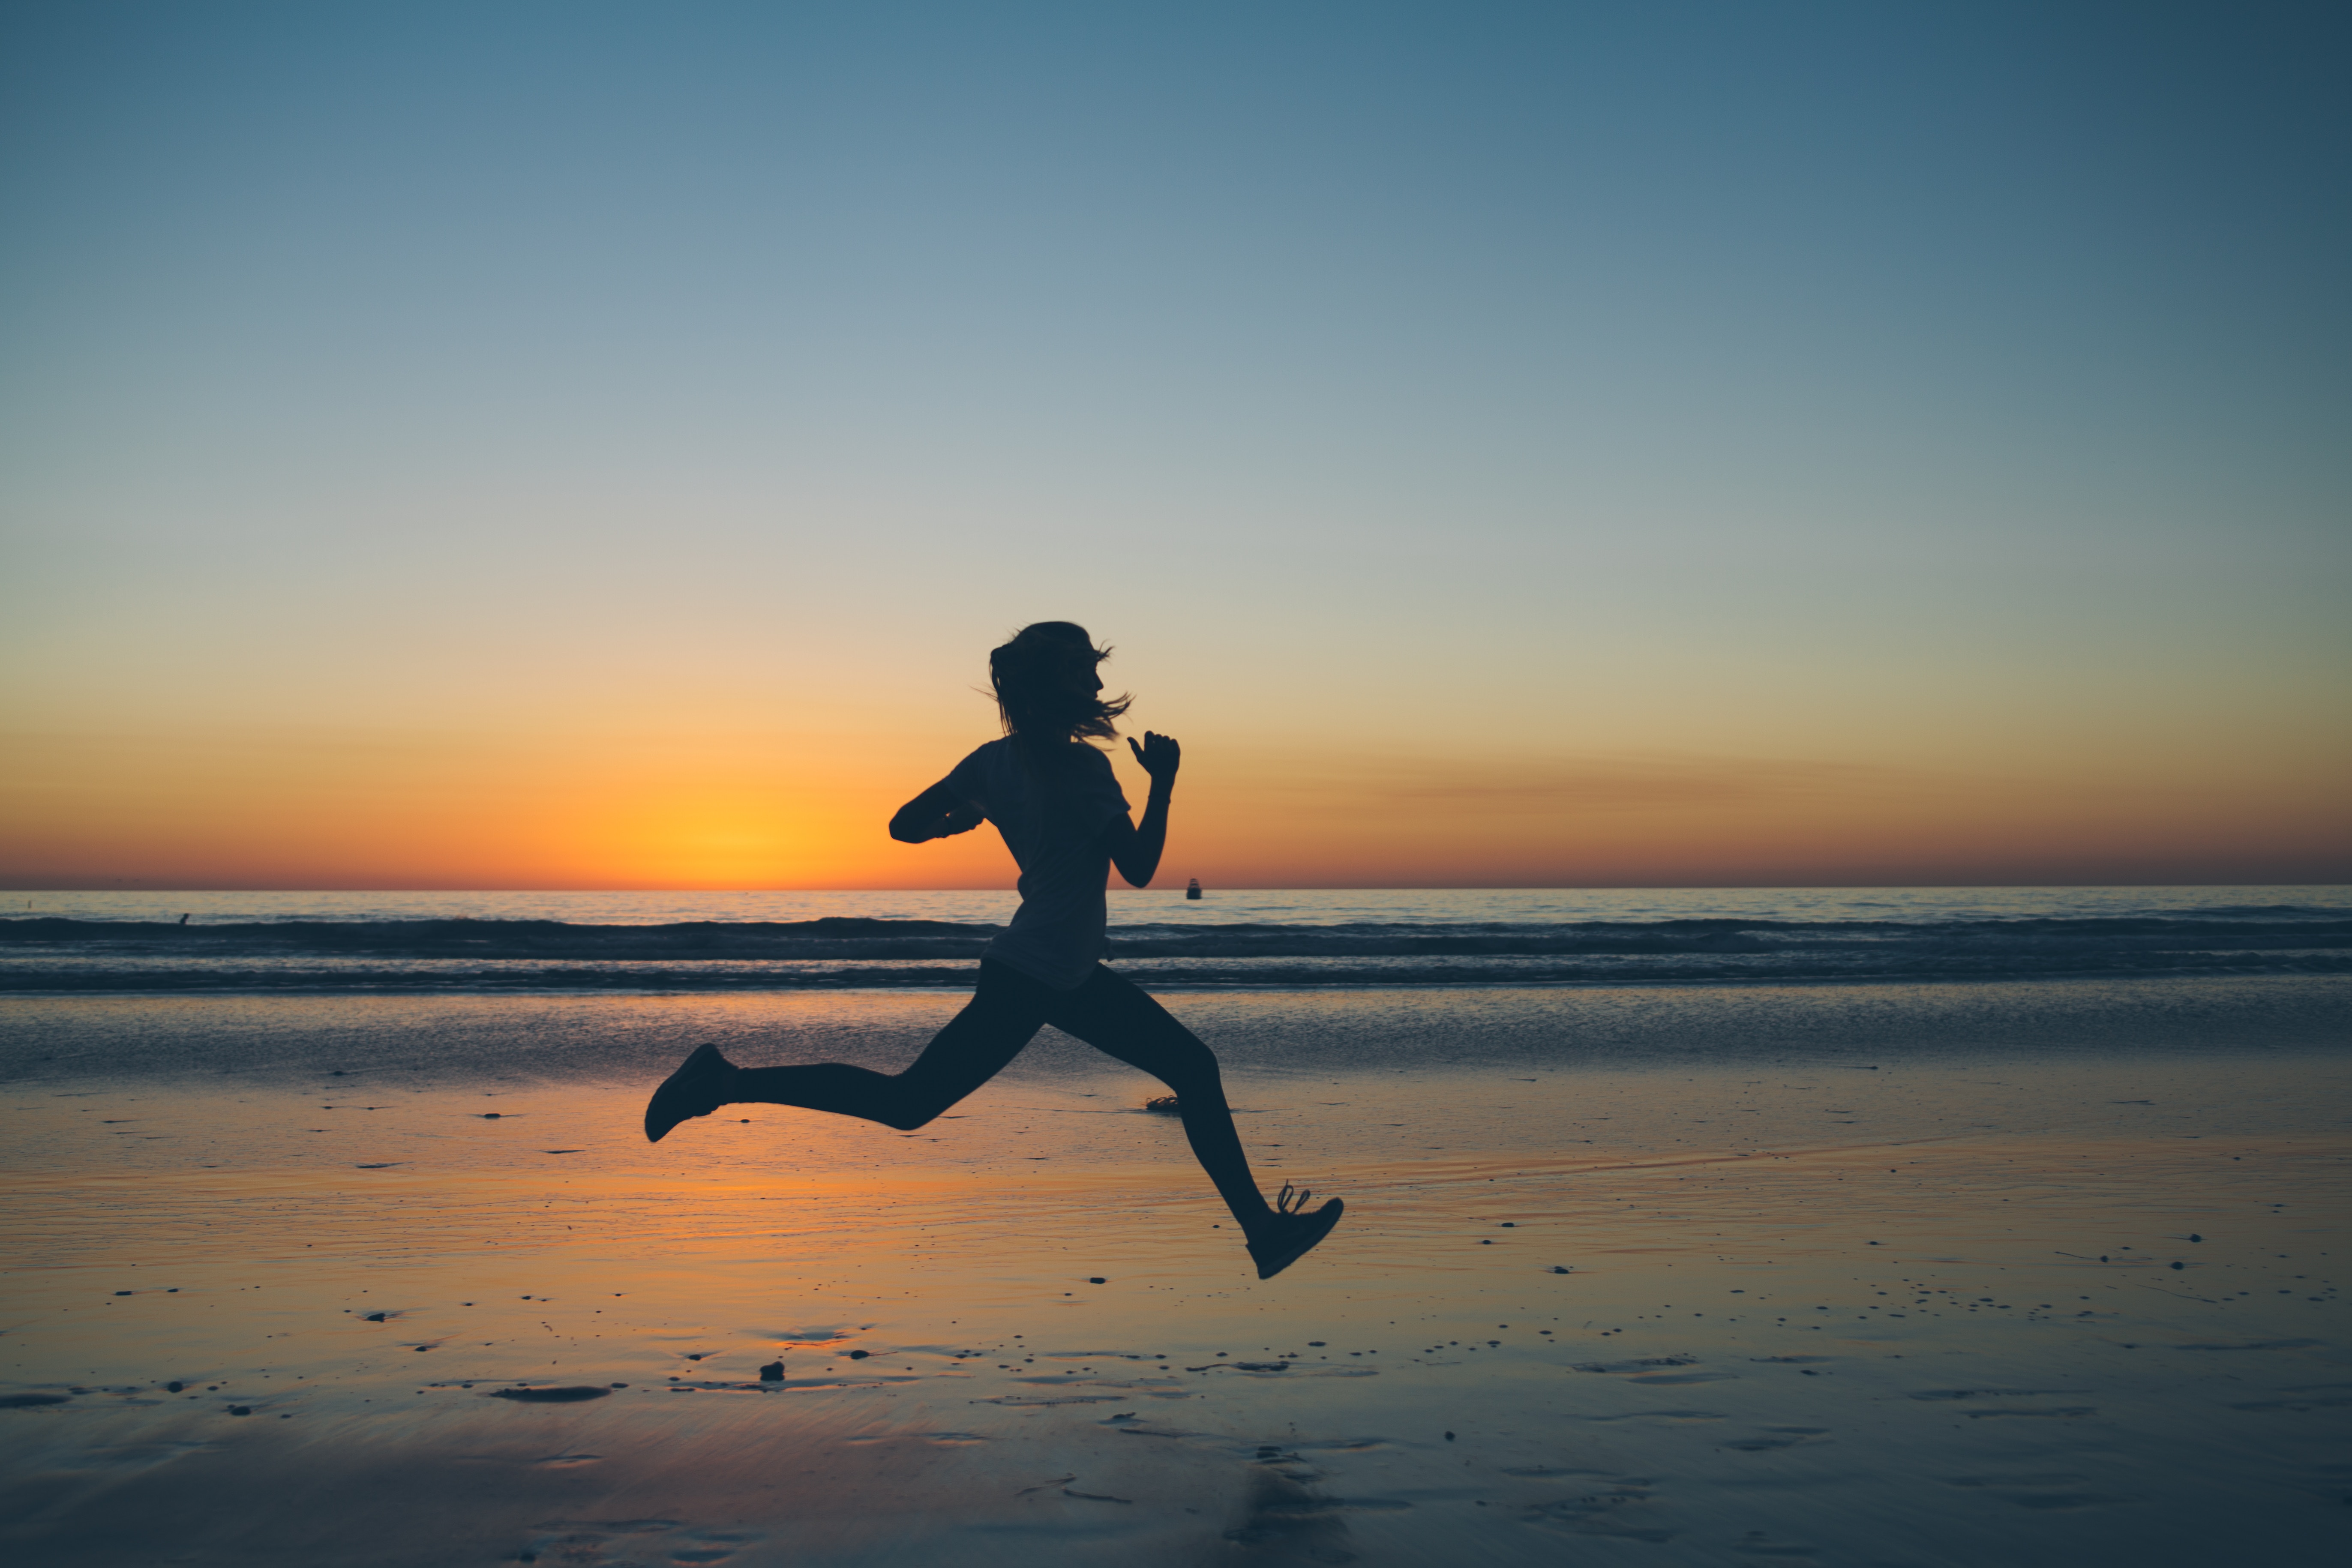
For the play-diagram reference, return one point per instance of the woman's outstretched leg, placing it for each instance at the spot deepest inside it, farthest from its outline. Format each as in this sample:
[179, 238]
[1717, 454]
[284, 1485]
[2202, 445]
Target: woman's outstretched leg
[989, 1032]
[1114, 1017]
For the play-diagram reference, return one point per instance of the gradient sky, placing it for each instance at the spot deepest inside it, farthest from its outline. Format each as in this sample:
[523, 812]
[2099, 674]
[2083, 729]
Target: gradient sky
[586, 445]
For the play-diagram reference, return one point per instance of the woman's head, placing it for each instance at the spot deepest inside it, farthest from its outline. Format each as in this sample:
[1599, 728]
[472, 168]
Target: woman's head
[1047, 688]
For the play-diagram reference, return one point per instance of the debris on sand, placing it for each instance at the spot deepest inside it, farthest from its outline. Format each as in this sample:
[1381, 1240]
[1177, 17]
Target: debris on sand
[550, 1395]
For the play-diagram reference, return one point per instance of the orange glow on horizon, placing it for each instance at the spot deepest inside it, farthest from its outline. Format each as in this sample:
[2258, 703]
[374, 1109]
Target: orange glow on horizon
[195, 814]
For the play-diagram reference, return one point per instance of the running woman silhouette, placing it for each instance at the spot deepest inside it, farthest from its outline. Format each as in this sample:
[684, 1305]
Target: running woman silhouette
[1054, 799]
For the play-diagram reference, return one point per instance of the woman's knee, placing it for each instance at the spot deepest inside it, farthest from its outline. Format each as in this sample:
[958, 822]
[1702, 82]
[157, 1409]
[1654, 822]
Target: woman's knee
[1185, 1065]
[915, 1102]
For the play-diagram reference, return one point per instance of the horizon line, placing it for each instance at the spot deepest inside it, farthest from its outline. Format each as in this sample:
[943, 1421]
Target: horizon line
[120, 886]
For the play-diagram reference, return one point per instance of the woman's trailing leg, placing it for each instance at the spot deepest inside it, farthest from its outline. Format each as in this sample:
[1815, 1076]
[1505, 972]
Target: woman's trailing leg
[989, 1032]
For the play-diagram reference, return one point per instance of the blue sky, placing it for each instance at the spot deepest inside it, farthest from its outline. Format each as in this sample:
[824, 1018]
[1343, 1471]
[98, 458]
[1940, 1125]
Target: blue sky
[1953, 389]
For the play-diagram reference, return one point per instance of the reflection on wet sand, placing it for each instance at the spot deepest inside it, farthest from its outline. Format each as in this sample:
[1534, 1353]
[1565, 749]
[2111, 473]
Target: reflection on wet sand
[1966, 1313]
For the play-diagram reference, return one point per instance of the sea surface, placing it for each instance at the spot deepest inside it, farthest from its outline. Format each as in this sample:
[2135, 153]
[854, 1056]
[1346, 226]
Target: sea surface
[134, 942]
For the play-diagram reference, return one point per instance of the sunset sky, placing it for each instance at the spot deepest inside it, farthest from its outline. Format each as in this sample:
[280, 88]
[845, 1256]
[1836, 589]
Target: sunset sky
[579, 445]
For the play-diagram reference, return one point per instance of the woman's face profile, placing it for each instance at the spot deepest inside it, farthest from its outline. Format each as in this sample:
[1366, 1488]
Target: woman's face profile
[1082, 675]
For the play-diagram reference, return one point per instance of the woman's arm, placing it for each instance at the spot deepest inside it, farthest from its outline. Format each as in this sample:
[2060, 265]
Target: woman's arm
[1135, 848]
[937, 813]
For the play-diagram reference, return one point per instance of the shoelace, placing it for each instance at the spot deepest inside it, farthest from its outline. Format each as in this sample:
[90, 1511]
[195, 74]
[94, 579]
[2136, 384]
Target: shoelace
[1290, 1204]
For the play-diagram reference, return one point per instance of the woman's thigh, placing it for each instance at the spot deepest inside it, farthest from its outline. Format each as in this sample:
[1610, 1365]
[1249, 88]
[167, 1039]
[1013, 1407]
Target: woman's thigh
[1004, 1014]
[1115, 1018]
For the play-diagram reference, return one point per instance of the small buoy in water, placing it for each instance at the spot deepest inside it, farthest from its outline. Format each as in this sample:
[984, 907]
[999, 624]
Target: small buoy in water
[1193, 888]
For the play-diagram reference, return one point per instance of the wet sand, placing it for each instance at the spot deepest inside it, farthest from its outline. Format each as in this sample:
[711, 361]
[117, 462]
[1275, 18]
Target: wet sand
[1955, 1310]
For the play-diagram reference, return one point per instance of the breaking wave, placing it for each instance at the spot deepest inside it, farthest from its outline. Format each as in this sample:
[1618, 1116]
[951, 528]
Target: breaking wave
[69, 954]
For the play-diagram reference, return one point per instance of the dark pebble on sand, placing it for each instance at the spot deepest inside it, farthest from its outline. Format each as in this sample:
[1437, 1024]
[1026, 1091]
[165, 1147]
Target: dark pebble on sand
[2181, 1265]
[240, 1410]
[1096, 1279]
[173, 1388]
[859, 1355]
[490, 1115]
[1556, 1268]
[548, 1395]
[28, 1401]
[1510, 1225]
[374, 1318]
[1449, 1437]
[122, 1292]
[2194, 1236]
[772, 1373]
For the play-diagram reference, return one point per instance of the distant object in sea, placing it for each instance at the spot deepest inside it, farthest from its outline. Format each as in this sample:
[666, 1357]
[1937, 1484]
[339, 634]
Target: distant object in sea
[1193, 888]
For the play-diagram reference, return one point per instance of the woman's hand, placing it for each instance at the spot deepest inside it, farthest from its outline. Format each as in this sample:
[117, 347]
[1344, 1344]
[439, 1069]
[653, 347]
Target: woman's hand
[1158, 755]
[1136, 849]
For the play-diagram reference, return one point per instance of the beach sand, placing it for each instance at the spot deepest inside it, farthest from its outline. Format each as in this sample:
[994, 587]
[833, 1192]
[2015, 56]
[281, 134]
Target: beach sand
[1952, 1309]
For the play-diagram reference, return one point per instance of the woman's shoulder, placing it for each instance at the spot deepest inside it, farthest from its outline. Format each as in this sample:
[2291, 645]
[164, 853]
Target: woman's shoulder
[983, 761]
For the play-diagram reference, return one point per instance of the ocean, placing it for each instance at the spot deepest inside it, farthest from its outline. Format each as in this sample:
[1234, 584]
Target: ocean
[132, 942]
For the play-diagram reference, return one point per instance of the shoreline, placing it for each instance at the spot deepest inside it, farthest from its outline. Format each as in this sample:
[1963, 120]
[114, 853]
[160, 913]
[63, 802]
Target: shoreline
[1913, 1275]
[1926, 1374]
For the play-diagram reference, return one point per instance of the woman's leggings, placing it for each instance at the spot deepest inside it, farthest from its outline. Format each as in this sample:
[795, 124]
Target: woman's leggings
[1106, 1012]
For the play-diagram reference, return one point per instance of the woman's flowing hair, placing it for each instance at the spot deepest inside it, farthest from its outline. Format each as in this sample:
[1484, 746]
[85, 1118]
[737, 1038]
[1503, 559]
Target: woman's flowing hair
[1042, 679]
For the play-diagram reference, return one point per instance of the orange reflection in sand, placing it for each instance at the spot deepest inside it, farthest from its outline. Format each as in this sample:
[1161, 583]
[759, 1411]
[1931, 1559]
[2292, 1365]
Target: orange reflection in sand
[1510, 1355]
